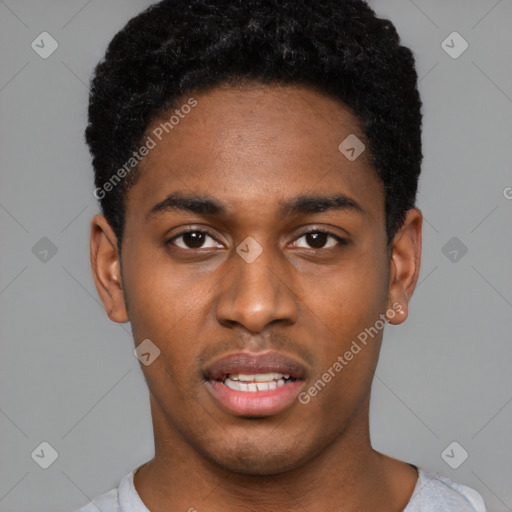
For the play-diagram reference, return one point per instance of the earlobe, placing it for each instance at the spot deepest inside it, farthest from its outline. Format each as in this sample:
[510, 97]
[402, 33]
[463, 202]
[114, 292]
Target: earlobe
[404, 266]
[106, 270]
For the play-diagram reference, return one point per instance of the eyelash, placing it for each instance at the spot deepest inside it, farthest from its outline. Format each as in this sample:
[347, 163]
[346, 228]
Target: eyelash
[341, 241]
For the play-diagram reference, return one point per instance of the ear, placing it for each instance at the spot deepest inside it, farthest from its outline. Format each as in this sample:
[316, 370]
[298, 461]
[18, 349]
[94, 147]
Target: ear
[404, 266]
[106, 269]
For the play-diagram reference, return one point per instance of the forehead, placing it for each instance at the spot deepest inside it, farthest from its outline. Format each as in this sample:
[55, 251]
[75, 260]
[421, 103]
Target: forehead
[254, 146]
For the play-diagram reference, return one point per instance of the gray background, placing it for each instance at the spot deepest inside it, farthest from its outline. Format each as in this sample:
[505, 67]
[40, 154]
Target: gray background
[68, 375]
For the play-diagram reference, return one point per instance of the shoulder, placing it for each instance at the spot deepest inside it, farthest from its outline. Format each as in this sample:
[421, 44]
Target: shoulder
[107, 502]
[122, 499]
[434, 492]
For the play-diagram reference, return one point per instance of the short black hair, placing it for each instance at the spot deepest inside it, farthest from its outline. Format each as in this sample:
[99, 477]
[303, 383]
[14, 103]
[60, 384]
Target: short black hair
[176, 47]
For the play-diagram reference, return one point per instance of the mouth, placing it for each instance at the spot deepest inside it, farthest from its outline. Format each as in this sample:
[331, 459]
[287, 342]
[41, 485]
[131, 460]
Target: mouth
[246, 384]
[256, 382]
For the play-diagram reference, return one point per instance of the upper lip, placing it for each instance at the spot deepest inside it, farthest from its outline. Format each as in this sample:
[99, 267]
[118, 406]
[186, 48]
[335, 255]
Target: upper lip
[250, 363]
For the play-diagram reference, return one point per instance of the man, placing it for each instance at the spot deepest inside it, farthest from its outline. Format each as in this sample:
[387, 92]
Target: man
[257, 164]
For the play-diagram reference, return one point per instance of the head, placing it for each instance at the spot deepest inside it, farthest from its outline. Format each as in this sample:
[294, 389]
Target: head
[284, 138]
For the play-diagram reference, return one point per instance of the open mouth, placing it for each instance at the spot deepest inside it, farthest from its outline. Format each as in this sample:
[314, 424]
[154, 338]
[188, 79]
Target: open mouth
[262, 384]
[256, 382]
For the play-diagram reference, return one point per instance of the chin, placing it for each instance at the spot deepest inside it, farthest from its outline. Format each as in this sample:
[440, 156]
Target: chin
[254, 458]
[256, 465]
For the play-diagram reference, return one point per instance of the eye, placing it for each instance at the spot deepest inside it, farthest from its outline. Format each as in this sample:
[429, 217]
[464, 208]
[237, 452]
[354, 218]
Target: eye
[193, 239]
[318, 239]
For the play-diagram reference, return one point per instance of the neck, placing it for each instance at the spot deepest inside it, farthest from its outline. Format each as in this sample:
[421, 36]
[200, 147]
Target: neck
[346, 475]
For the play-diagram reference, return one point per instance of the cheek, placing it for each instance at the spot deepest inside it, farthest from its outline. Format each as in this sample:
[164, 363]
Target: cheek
[348, 308]
[169, 308]
[158, 293]
[352, 296]
[347, 348]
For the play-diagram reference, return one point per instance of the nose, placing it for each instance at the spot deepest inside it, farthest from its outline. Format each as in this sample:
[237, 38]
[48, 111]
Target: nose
[257, 293]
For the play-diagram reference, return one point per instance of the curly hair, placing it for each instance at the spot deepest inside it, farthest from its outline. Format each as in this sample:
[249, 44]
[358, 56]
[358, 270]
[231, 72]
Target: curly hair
[338, 47]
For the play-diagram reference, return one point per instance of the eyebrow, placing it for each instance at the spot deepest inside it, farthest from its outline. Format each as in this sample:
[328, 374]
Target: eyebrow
[209, 206]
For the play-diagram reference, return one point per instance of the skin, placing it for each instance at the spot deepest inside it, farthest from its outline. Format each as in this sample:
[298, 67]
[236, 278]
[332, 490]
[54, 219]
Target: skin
[250, 148]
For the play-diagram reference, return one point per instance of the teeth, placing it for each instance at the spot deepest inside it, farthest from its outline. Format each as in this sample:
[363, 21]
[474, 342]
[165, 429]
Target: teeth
[238, 385]
[255, 382]
[258, 377]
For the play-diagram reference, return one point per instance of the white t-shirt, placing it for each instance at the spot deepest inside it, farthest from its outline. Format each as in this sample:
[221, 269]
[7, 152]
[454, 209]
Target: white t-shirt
[433, 493]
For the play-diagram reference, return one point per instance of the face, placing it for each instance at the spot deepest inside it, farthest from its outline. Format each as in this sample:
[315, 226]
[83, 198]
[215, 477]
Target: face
[255, 249]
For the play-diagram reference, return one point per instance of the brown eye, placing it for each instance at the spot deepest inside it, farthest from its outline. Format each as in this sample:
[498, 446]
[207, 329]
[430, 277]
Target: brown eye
[317, 240]
[192, 239]
[321, 240]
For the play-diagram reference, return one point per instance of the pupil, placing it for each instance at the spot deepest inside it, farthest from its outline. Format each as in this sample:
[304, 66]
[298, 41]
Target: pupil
[193, 239]
[317, 240]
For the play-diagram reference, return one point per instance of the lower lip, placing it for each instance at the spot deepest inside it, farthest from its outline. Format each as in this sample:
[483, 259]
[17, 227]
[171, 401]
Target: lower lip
[255, 403]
